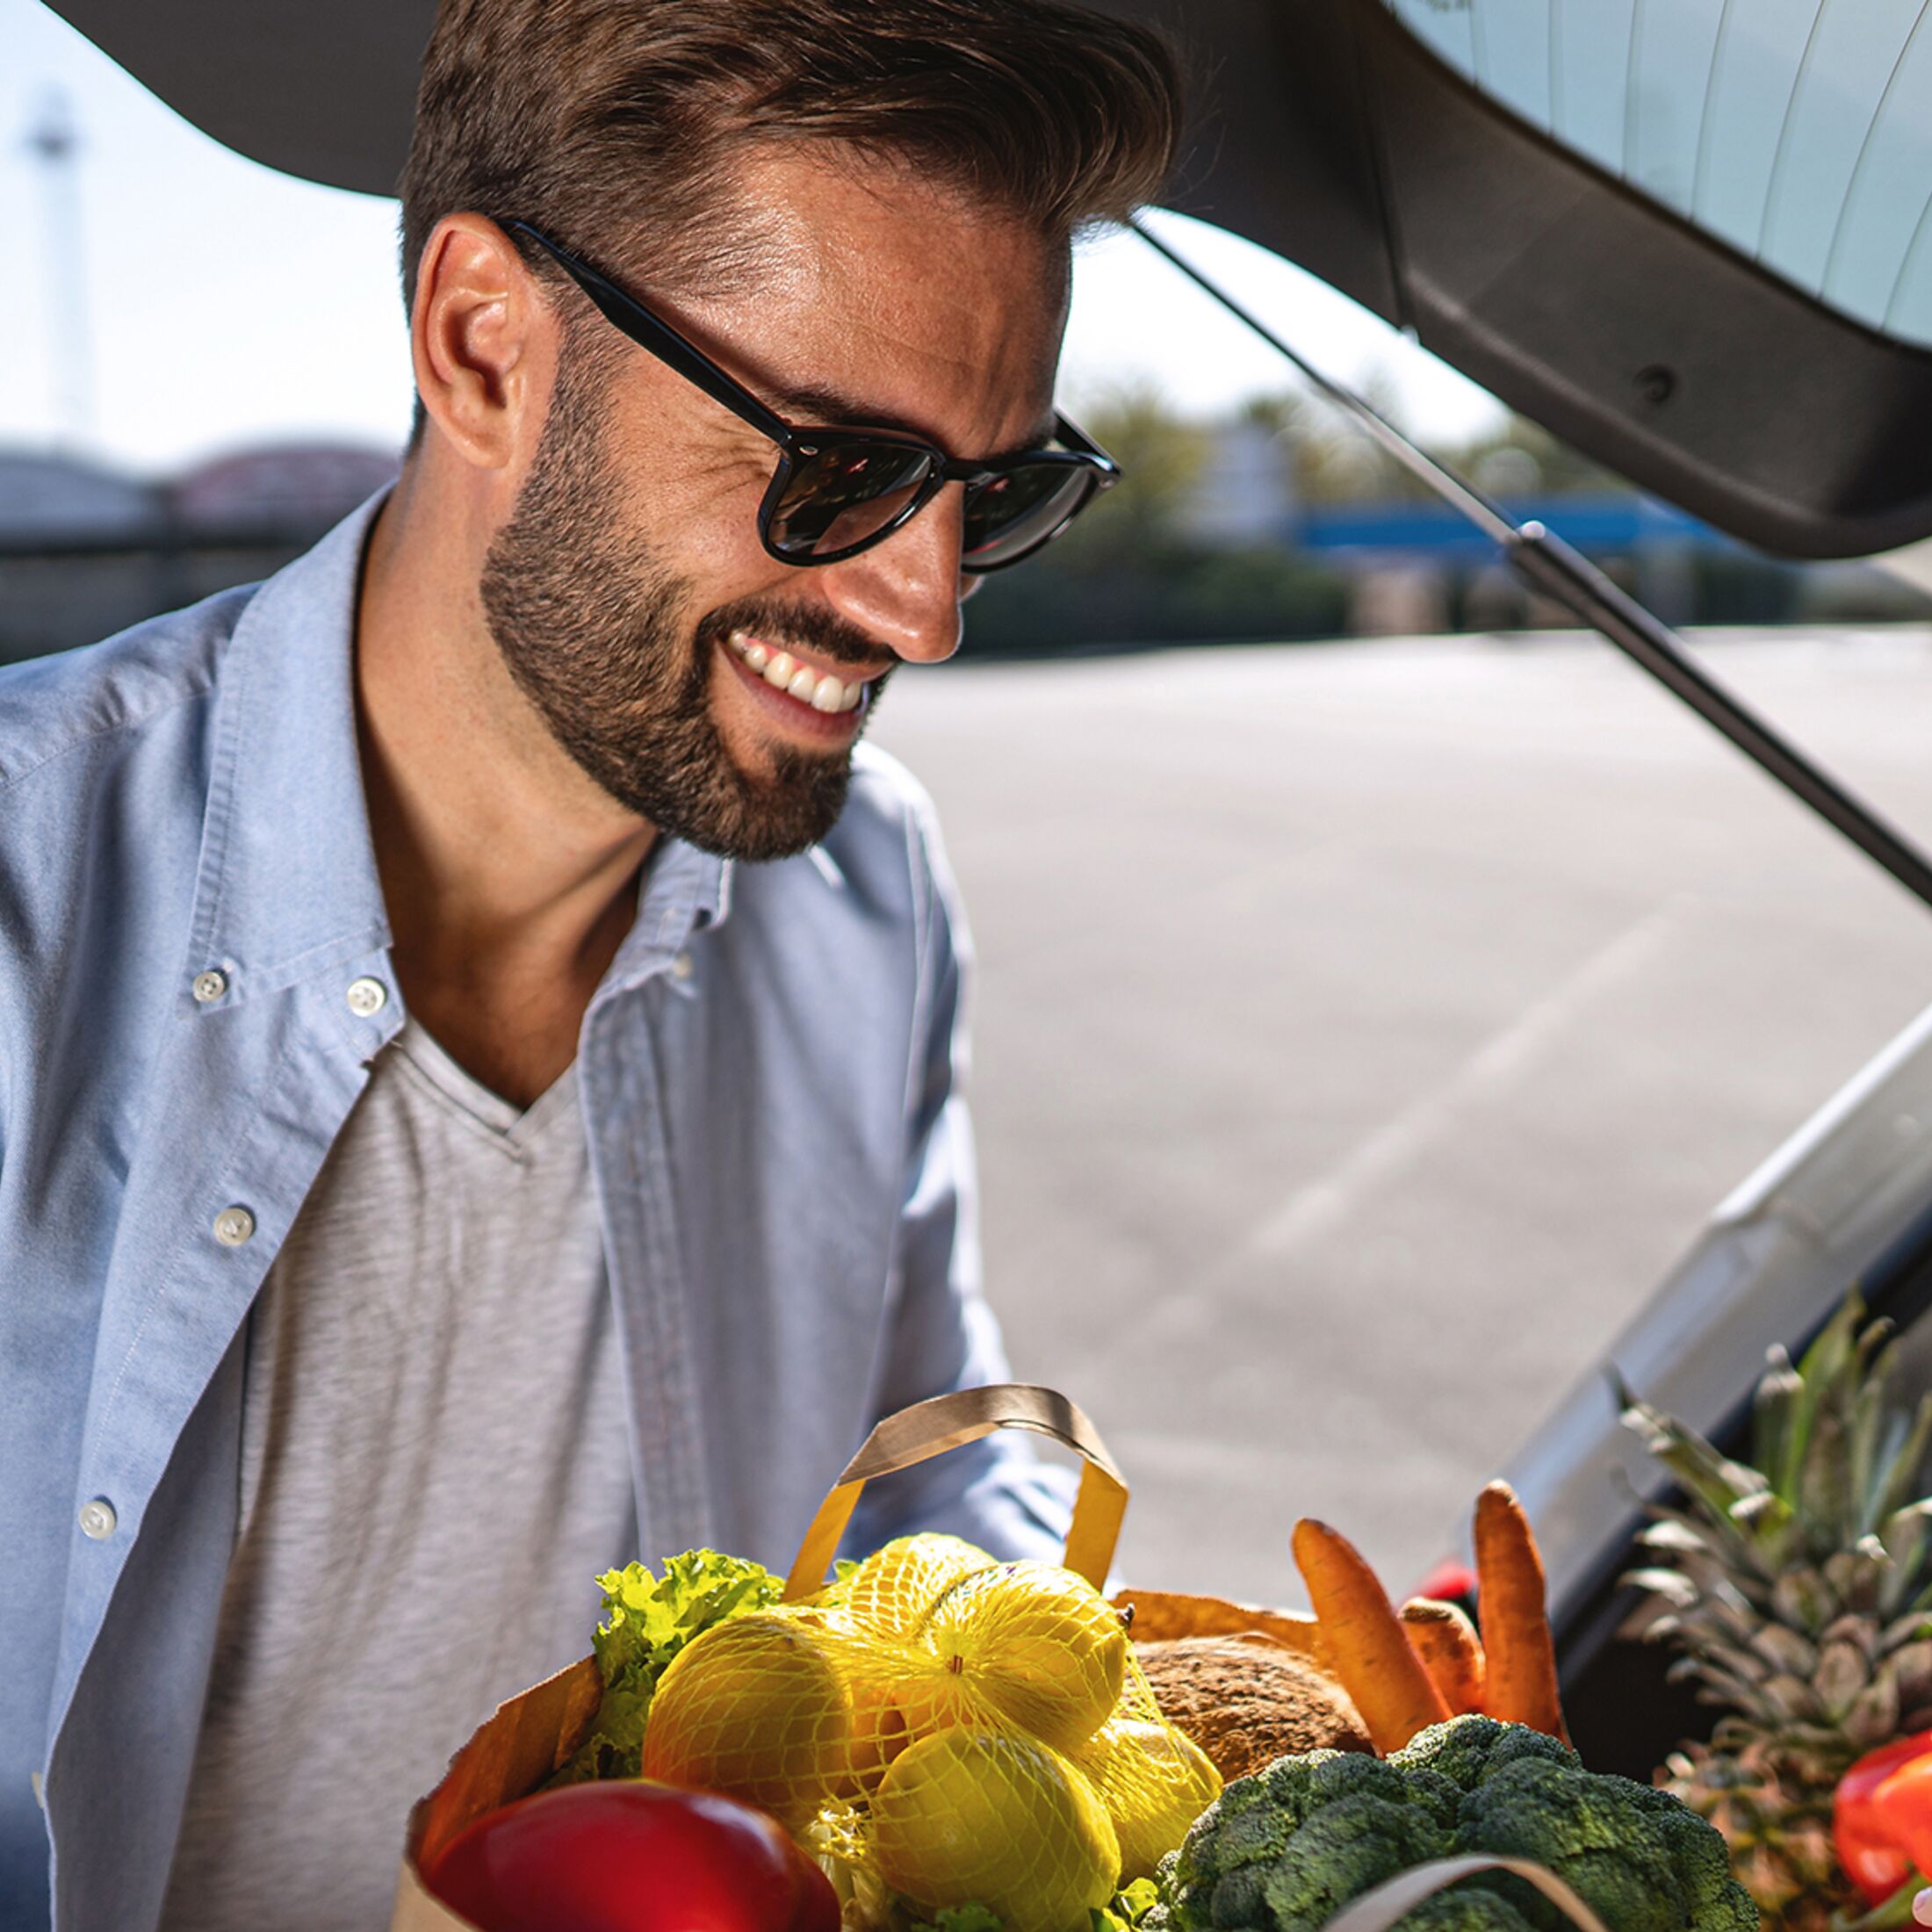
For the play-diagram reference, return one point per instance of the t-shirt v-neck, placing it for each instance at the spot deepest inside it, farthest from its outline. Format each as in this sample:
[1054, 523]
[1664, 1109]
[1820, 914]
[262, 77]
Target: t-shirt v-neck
[435, 1465]
[517, 1128]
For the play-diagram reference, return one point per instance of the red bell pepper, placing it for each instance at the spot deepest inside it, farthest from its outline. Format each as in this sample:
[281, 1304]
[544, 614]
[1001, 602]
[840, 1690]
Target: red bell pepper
[1882, 1816]
[632, 1855]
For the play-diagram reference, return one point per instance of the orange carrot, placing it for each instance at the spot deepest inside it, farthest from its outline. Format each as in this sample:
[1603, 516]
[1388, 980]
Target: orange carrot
[1368, 1650]
[1521, 1684]
[1452, 1653]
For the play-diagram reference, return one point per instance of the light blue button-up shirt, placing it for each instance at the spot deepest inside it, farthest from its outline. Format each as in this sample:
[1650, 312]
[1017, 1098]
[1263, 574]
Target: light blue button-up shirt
[188, 892]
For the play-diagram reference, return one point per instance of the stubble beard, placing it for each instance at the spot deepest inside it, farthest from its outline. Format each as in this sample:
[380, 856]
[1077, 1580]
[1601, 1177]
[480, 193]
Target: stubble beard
[598, 635]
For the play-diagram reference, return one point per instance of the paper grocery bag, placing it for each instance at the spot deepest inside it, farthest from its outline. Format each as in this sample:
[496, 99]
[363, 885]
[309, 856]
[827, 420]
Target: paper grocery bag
[533, 1735]
[530, 1737]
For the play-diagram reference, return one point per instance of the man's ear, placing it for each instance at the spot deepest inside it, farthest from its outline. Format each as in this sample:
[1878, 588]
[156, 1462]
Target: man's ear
[483, 341]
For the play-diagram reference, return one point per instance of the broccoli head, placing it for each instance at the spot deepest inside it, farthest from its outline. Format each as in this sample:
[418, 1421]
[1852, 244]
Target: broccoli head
[1466, 1749]
[1345, 1850]
[1586, 1830]
[1286, 1850]
[1466, 1909]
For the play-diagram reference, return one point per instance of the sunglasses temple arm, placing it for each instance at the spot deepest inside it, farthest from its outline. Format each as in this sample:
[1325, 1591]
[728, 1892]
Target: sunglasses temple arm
[664, 341]
[1080, 441]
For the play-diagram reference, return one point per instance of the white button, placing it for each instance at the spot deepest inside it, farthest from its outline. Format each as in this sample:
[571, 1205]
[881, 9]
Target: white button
[210, 986]
[367, 997]
[680, 967]
[98, 1519]
[232, 1226]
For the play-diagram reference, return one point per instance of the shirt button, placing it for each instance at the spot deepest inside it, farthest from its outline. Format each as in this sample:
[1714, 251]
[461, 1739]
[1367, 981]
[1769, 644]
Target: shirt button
[210, 986]
[98, 1519]
[680, 967]
[232, 1226]
[367, 997]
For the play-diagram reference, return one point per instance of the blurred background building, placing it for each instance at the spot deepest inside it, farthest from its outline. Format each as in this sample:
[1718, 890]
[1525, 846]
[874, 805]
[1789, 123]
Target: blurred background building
[86, 550]
[205, 367]
[1277, 523]
[1281, 522]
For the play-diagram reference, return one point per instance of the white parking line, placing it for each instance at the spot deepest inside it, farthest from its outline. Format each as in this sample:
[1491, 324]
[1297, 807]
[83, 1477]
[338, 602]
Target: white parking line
[1314, 1208]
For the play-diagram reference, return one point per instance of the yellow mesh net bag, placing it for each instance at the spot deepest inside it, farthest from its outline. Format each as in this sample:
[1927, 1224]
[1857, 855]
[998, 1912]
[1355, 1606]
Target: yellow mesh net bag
[946, 1729]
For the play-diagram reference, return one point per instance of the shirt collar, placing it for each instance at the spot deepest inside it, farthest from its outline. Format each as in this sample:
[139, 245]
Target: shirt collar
[684, 892]
[287, 885]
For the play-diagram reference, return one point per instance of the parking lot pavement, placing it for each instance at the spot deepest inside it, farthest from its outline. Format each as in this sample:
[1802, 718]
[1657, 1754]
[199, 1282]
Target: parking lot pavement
[1363, 1029]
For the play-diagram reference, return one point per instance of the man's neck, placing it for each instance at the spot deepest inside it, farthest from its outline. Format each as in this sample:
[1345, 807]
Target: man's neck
[510, 878]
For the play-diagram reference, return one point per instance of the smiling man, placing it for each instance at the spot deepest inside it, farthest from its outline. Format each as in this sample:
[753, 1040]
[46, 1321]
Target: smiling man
[479, 1045]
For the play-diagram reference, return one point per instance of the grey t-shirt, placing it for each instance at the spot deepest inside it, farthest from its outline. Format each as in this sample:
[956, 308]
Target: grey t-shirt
[434, 1469]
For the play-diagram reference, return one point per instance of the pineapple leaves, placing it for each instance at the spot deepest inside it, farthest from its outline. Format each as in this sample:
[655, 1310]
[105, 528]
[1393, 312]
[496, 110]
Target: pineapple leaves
[1906, 1535]
[1824, 1496]
[1713, 1480]
[1777, 1439]
[1796, 1591]
[1901, 1476]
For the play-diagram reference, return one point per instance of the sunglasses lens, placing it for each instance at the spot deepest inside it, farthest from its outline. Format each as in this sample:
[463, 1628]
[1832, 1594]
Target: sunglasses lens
[841, 495]
[1019, 509]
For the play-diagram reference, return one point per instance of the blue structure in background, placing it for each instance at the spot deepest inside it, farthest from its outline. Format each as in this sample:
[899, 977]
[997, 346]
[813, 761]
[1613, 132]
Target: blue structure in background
[1597, 525]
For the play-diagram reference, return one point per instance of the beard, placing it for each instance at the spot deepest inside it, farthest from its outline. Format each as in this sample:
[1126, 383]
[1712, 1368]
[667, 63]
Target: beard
[597, 634]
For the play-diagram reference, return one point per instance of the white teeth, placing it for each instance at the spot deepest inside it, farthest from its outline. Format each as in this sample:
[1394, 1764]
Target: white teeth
[822, 691]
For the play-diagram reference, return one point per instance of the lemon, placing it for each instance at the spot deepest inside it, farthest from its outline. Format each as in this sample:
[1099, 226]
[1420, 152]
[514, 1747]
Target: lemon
[1154, 1781]
[879, 1733]
[756, 1708]
[935, 1696]
[891, 1591]
[967, 1816]
[1039, 1646]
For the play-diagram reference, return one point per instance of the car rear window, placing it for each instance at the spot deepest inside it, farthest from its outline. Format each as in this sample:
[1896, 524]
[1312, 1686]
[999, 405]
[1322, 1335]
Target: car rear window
[1798, 133]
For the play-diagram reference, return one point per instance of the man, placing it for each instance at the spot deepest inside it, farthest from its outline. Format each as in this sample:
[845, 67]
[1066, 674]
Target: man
[478, 1051]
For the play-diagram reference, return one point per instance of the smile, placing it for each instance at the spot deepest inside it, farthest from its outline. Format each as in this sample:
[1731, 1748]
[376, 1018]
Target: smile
[820, 689]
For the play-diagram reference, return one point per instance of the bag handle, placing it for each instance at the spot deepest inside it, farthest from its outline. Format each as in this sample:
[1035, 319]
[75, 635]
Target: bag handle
[1378, 1910]
[949, 1422]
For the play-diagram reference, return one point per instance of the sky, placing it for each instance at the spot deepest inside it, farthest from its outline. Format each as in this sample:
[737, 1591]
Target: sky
[171, 302]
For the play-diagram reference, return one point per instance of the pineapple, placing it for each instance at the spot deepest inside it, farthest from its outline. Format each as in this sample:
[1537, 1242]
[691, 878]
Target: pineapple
[1800, 1589]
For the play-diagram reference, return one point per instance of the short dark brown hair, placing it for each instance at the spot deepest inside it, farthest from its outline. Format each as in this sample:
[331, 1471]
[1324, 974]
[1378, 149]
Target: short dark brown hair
[612, 124]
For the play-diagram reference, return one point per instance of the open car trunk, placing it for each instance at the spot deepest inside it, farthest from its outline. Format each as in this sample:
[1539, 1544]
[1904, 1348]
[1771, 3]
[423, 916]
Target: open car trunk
[1686, 240]
[1690, 241]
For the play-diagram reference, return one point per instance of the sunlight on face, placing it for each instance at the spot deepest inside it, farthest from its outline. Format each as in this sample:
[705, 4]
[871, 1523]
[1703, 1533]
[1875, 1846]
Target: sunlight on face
[706, 686]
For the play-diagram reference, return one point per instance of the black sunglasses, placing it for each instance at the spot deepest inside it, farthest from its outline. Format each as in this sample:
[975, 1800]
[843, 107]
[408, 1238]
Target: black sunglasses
[837, 492]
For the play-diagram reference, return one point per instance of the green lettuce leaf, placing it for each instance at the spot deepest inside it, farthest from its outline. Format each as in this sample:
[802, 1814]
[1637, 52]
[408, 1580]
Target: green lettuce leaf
[1128, 1907]
[647, 1620]
[961, 1918]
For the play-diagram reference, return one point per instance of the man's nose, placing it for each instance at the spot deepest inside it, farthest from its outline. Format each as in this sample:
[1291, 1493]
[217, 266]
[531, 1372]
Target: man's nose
[907, 592]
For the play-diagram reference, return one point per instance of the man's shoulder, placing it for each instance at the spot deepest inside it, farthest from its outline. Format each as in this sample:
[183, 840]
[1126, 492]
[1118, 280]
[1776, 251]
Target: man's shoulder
[886, 845]
[881, 868]
[887, 807]
[55, 711]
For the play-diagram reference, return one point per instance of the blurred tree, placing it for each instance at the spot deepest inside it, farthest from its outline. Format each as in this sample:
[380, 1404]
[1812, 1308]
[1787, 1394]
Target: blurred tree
[1333, 460]
[1162, 454]
[1142, 568]
[1522, 458]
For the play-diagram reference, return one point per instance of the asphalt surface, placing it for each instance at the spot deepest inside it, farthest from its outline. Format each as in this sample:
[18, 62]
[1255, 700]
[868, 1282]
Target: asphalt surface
[1362, 1030]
